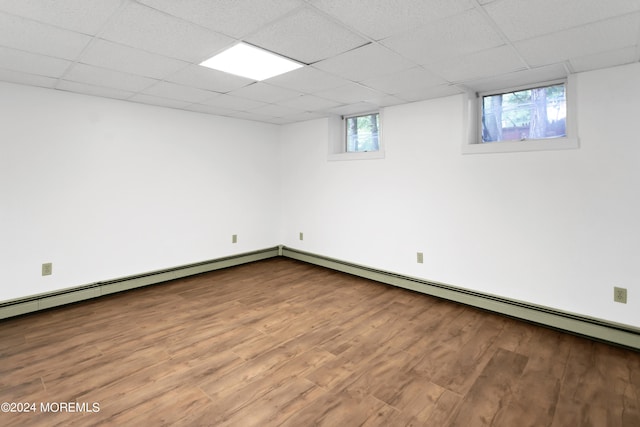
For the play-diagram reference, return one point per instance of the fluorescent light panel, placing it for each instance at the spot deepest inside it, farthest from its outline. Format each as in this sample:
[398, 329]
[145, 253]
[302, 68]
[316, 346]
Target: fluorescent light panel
[251, 62]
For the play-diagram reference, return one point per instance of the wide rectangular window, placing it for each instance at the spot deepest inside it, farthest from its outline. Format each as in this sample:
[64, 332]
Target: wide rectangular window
[362, 133]
[525, 114]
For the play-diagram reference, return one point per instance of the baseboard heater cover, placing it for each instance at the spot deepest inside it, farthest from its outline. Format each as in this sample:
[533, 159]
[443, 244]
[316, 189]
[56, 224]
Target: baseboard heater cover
[47, 300]
[614, 333]
[623, 335]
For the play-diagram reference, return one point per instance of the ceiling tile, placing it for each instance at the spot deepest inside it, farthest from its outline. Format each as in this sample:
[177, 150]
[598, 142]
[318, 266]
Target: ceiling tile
[31, 36]
[611, 34]
[209, 79]
[430, 92]
[413, 78]
[26, 79]
[264, 92]
[379, 19]
[384, 100]
[310, 103]
[209, 109]
[461, 34]
[84, 16]
[359, 107]
[605, 59]
[364, 63]
[233, 102]
[486, 63]
[115, 56]
[281, 121]
[276, 110]
[306, 36]
[351, 93]
[307, 79]
[179, 92]
[519, 78]
[156, 100]
[524, 19]
[365, 53]
[303, 117]
[97, 76]
[390, 100]
[247, 115]
[148, 29]
[17, 60]
[236, 18]
[88, 89]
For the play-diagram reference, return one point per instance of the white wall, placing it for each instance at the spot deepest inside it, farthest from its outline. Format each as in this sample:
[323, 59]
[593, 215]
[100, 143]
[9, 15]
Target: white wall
[556, 228]
[104, 188]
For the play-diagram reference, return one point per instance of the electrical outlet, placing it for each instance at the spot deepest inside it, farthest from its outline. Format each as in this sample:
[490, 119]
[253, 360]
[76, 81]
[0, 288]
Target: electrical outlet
[234, 238]
[301, 235]
[620, 294]
[420, 258]
[47, 269]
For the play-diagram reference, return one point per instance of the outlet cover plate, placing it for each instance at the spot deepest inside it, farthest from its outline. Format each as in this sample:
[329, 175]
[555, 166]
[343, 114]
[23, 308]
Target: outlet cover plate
[620, 294]
[47, 269]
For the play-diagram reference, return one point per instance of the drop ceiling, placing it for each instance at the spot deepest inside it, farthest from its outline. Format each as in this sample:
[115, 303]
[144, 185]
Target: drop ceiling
[359, 54]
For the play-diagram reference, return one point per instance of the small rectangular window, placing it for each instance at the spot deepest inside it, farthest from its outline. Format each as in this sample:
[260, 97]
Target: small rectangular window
[362, 133]
[524, 114]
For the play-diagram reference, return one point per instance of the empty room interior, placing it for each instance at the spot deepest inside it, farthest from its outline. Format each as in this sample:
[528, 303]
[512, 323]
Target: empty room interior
[428, 215]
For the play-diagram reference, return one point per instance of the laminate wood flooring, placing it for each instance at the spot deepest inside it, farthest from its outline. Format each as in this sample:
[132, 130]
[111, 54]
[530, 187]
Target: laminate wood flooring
[280, 342]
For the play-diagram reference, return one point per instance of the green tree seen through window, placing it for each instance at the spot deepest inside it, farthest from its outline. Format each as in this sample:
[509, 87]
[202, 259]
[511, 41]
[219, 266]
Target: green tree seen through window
[535, 113]
[362, 133]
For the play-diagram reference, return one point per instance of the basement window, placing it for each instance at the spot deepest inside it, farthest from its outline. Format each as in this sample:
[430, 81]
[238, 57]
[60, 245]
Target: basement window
[355, 137]
[532, 113]
[362, 133]
[530, 118]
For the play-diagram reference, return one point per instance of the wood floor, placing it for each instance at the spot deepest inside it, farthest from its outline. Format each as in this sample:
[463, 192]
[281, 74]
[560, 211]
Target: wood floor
[280, 342]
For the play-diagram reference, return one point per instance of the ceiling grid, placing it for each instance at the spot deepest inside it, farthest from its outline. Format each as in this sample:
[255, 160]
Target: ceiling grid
[361, 54]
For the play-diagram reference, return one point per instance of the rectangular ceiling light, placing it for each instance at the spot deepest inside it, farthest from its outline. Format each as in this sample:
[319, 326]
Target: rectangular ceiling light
[251, 62]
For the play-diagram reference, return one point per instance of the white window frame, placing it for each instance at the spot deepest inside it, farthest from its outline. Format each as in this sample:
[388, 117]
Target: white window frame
[472, 143]
[338, 139]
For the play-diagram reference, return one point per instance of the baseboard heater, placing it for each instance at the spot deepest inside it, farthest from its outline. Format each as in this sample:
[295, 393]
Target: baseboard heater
[38, 302]
[622, 335]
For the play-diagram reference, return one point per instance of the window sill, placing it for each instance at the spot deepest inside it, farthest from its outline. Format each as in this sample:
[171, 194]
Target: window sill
[517, 146]
[365, 155]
